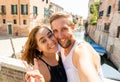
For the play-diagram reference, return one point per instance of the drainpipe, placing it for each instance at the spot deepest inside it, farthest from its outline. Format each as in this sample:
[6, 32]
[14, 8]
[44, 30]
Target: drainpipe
[19, 12]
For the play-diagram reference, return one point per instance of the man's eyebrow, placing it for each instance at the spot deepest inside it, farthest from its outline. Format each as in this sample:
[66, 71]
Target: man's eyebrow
[54, 30]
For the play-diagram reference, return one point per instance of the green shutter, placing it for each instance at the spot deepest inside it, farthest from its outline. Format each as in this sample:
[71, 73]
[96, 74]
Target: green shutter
[12, 9]
[21, 9]
[119, 6]
[108, 10]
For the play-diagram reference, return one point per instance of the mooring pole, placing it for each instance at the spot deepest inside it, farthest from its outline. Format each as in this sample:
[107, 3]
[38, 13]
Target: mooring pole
[13, 55]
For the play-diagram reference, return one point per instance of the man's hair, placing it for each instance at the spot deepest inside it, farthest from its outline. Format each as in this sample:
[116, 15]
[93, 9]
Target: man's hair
[61, 15]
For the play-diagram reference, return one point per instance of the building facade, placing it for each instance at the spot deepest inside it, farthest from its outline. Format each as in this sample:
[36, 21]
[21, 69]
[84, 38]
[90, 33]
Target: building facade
[107, 31]
[55, 8]
[18, 17]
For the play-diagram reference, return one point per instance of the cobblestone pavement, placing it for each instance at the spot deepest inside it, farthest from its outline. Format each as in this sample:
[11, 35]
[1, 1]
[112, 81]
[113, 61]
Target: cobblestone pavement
[6, 46]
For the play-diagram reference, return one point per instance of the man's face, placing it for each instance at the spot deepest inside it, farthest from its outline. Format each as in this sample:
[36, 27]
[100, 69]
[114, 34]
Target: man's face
[62, 31]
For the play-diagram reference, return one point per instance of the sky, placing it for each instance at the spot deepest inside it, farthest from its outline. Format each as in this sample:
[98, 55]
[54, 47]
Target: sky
[77, 7]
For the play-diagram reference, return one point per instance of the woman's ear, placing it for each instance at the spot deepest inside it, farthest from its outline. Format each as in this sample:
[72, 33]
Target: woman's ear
[37, 51]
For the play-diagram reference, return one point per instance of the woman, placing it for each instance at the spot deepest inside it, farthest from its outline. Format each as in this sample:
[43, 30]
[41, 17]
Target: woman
[41, 51]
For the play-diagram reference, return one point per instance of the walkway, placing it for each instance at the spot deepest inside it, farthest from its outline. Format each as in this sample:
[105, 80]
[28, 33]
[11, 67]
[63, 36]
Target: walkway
[6, 47]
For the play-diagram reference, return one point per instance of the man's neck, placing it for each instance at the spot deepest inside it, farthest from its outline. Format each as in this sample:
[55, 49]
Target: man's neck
[67, 50]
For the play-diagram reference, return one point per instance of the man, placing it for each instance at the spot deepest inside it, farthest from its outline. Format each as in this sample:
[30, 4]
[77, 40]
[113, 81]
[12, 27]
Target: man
[81, 61]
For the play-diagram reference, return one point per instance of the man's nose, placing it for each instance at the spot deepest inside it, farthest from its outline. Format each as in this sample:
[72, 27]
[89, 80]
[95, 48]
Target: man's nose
[60, 35]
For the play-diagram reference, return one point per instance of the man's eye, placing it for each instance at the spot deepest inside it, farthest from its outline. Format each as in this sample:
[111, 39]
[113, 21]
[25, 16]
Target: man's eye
[54, 31]
[64, 29]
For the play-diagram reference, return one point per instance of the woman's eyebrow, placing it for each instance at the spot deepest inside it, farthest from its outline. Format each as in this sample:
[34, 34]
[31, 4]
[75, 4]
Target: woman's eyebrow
[43, 37]
[49, 33]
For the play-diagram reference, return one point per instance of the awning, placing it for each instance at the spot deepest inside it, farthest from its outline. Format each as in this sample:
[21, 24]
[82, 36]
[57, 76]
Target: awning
[97, 47]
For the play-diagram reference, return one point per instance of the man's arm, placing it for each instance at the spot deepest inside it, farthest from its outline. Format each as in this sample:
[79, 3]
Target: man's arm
[83, 61]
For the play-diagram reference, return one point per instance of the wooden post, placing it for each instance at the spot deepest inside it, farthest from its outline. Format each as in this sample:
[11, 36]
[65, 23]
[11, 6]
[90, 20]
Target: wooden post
[13, 55]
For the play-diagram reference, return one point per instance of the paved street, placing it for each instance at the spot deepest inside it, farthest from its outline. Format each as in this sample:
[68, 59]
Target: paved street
[6, 47]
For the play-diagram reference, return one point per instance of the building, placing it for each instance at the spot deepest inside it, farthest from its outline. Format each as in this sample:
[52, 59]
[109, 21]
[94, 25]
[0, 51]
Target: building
[78, 20]
[107, 31]
[55, 8]
[91, 28]
[18, 17]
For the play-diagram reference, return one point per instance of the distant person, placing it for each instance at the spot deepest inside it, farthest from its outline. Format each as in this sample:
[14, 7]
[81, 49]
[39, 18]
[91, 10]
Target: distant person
[81, 61]
[40, 51]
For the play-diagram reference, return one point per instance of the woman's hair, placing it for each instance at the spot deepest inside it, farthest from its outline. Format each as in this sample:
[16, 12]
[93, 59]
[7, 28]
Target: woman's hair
[61, 15]
[30, 49]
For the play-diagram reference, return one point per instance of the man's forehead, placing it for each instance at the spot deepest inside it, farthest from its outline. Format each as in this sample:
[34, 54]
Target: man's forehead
[60, 21]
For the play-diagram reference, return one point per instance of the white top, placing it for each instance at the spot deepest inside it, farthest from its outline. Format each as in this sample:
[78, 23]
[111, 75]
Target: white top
[71, 71]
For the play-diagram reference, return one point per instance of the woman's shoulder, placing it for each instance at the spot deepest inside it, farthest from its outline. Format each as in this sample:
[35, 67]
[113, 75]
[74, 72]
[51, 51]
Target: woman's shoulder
[44, 70]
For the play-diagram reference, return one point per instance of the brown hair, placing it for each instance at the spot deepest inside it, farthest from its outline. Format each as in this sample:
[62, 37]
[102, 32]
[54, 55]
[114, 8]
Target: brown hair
[61, 15]
[30, 49]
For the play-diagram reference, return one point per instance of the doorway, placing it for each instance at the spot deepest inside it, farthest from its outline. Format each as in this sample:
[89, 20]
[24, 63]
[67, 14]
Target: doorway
[10, 29]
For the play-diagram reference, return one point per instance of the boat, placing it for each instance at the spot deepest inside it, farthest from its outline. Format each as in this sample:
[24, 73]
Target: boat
[110, 72]
[97, 47]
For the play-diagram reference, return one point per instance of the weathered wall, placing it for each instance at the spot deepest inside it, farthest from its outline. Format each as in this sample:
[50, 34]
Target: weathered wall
[12, 70]
[113, 45]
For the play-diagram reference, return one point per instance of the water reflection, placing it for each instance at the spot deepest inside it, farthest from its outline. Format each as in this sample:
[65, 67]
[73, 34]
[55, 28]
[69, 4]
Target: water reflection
[79, 35]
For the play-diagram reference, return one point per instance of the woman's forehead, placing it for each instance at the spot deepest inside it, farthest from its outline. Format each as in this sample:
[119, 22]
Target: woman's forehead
[44, 31]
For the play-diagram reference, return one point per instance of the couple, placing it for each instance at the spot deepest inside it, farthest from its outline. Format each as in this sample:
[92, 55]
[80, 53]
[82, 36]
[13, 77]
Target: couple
[78, 61]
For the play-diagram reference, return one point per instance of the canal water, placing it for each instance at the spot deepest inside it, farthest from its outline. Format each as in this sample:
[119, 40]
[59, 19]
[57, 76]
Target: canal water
[79, 35]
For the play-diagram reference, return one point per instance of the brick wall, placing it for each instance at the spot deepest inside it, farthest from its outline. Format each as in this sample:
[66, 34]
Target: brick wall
[12, 70]
[11, 75]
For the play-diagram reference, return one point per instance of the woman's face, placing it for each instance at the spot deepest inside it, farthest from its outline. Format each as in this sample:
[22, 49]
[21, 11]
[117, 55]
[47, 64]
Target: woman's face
[46, 41]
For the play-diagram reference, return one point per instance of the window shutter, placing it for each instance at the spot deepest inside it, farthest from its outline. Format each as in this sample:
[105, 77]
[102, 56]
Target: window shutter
[119, 6]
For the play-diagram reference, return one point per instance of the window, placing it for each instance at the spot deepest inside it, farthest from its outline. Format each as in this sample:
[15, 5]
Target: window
[101, 14]
[24, 9]
[24, 22]
[108, 10]
[101, 1]
[119, 6]
[118, 32]
[3, 9]
[46, 1]
[15, 21]
[106, 27]
[46, 13]
[35, 10]
[14, 9]
[4, 21]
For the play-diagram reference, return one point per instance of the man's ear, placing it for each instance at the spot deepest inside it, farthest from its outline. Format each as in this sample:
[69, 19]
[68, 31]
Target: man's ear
[72, 26]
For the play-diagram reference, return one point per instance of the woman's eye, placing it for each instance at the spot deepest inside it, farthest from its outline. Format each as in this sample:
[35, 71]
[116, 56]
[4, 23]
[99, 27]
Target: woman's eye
[43, 41]
[50, 35]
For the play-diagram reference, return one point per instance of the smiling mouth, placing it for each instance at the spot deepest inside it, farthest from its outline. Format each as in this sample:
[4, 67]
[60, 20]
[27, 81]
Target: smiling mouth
[62, 40]
[52, 46]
